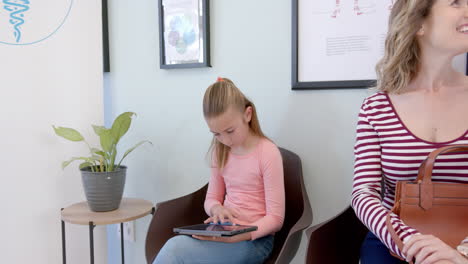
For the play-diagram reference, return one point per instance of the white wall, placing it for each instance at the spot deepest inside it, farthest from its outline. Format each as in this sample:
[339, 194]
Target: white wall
[56, 81]
[251, 44]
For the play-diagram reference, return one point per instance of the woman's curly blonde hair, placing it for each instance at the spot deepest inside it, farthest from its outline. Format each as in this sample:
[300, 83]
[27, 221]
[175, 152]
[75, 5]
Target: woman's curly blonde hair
[402, 52]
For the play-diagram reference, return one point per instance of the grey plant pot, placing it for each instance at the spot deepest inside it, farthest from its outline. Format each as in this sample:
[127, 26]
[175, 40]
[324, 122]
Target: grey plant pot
[103, 190]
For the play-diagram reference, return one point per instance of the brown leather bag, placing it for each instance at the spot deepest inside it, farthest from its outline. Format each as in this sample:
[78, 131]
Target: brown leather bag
[440, 209]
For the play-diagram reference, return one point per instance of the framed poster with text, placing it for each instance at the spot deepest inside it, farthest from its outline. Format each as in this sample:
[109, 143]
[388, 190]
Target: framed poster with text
[337, 43]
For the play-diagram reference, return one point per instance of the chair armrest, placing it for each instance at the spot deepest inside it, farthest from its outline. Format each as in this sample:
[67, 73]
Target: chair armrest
[337, 240]
[182, 211]
[306, 218]
[293, 240]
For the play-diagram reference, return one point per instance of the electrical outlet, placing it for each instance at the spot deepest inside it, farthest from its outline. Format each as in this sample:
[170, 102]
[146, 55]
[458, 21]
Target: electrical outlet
[129, 231]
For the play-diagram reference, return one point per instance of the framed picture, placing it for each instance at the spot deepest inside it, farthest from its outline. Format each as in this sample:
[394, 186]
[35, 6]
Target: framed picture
[336, 43]
[105, 37]
[184, 39]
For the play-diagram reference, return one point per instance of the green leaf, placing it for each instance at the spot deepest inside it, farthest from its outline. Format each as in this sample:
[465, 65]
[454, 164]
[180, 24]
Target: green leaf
[94, 158]
[107, 141]
[86, 164]
[99, 129]
[98, 152]
[121, 125]
[133, 148]
[66, 163]
[68, 133]
[94, 150]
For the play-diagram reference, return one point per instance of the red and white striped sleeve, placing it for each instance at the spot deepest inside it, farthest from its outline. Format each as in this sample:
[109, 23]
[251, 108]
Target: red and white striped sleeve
[366, 196]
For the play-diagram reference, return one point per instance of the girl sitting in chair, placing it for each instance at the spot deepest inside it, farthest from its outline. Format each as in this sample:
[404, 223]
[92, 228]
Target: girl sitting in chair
[246, 185]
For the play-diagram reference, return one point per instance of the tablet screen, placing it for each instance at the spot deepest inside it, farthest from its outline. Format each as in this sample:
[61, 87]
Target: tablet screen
[214, 229]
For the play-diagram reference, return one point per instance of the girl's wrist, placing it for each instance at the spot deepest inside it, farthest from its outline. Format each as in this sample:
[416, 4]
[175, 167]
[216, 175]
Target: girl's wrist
[214, 208]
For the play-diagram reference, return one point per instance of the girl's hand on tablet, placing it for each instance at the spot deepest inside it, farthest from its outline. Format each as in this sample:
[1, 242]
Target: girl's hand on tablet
[222, 214]
[232, 239]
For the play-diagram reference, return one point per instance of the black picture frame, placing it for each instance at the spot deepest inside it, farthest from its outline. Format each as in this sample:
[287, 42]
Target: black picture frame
[466, 69]
[105, 37]
[203, 33]
[298, 85]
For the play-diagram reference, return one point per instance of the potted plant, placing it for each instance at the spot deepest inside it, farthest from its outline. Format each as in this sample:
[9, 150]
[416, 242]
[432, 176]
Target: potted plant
[103, 178]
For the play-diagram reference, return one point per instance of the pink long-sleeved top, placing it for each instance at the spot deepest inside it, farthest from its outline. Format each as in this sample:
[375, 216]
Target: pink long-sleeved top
[253, 186]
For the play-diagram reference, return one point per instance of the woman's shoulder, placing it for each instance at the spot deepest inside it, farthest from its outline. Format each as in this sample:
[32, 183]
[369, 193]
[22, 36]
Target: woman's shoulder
[375, 101]
[375, 97]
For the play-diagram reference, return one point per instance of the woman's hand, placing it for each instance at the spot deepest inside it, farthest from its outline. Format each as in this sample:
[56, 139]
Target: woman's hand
[222, 214]
[428, 249]
[231, 239]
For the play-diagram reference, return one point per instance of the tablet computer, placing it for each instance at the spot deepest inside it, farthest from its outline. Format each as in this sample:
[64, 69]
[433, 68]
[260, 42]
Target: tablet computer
[214, 229]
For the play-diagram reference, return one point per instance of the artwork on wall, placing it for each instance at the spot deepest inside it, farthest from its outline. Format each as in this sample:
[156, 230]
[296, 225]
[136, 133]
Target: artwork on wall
[105, 37]
[184, 39]
[337, 43]
[24, 22]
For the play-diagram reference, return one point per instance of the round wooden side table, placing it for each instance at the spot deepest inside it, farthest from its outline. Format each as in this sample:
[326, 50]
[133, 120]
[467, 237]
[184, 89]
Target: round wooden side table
[130, 209]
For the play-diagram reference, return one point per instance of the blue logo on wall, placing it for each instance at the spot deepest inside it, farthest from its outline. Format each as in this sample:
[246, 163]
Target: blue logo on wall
[25, 22]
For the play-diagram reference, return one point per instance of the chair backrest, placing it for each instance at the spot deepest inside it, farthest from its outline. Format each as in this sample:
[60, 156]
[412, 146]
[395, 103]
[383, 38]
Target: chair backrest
[337, 240]
[182, 211]
[297, 201]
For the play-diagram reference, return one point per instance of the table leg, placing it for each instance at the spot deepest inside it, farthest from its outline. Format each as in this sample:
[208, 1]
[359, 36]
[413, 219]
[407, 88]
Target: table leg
[91, 242]
[64, 253]
[122, 242]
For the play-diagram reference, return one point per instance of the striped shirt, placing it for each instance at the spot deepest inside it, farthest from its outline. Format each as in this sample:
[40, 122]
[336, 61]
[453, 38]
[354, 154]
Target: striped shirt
[386, 148]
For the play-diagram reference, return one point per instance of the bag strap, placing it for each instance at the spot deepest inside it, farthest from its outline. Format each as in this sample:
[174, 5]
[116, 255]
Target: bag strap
[392, 231]
[425, 174]
[428, 164]
[394, 235]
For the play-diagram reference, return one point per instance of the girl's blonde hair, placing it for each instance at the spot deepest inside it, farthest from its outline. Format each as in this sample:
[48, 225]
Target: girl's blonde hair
[219, 97]
[402, 52]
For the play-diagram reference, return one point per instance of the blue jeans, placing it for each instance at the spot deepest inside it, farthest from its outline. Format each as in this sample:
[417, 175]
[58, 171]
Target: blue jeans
[373, 251]
[185, 249]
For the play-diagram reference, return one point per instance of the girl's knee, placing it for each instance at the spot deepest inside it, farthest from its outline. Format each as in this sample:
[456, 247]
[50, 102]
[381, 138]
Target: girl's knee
[177, 242]
[173, 250]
